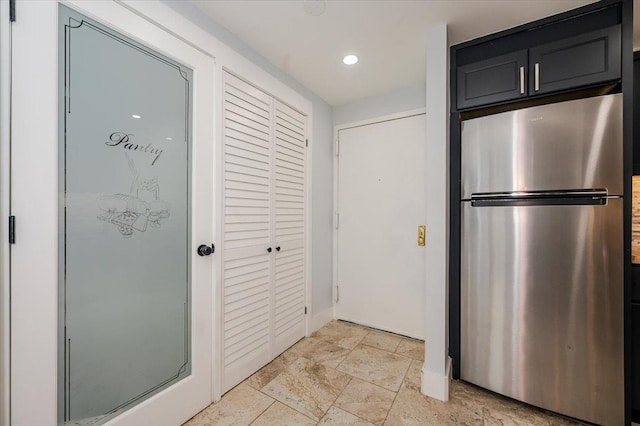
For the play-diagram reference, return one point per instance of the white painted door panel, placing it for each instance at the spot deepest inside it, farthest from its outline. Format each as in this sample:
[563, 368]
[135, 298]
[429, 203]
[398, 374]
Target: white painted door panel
[247, 270]
[264, 230]
[381, 202]
[37, 198]
[290, 200]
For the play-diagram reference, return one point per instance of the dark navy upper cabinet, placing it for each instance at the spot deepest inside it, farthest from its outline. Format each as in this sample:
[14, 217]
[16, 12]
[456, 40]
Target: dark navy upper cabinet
[487, 76]
[573, 62]
[493, 80]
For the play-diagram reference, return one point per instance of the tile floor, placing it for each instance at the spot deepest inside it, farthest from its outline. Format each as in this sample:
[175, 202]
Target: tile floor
[346, 374]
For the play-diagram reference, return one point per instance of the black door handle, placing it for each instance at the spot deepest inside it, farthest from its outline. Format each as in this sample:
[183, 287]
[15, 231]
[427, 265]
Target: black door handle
[205, 250]
[269, 249]
[278, 248]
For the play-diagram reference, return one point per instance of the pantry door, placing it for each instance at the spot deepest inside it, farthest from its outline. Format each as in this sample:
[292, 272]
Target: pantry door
[381, 203]
[112, 188]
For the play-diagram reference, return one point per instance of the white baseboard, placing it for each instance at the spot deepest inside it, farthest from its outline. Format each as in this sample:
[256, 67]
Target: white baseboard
[321, 318]
[436, 385]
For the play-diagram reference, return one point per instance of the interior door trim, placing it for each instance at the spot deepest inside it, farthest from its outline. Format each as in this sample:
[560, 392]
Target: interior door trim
[5, 211]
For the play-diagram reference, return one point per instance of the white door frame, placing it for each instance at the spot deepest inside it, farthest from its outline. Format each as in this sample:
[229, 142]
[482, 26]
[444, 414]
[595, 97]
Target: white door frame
[34, 347]
[336, 181]
[5, 100]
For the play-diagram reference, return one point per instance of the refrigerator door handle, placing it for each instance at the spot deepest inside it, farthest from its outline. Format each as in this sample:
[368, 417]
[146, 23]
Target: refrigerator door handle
[532, 195]
[515, 202]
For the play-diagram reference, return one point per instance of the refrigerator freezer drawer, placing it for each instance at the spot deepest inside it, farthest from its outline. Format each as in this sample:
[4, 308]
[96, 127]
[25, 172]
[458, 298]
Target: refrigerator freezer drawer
[542, 306]
[569, 145]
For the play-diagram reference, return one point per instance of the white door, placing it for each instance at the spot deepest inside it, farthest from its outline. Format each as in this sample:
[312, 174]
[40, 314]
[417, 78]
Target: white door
[263, 246]
[112, 169]
[381, 203]
[289, 222]
[246, 252]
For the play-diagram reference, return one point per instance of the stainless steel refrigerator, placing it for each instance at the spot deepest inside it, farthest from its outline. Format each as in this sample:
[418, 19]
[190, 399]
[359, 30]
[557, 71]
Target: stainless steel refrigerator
[542, 257]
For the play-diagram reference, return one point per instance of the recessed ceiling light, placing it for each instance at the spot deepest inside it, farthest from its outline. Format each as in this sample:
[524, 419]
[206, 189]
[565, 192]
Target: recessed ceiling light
[136, 116]
[350, 59]
[169, 139]
[314, 7]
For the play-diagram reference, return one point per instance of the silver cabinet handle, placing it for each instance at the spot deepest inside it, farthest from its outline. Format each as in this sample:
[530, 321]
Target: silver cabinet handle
[522, 80]
[536, 76]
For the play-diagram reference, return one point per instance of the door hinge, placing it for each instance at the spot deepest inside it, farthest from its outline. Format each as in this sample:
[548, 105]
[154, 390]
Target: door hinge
[305, 310]
[337, 220]
[337, 294]
[12, 229]
[307, 142]
[338, 147]
[12, 10]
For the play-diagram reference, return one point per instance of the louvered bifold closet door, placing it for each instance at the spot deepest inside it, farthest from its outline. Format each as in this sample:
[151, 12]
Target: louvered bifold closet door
[247, 273]
[290, 200]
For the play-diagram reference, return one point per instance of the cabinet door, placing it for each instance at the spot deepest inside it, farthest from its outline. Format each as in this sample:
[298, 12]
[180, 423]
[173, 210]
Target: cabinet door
[498, 79]
[576, 61]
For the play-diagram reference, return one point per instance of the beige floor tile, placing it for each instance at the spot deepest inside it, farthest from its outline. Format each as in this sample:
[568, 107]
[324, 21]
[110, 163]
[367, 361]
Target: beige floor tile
[561, 421]
[320, 351]
[472, 396]
[305, 390]
[342, 334]
[499, 410]
[411, 348]
[338, 417]
[498, 416]
[385, 341]
[414, 373]
[379, 367]
[240, 406]
[269, 372]
[198, 420]
[281, 415]
[366, 401]
[412, 408]
[308, 387]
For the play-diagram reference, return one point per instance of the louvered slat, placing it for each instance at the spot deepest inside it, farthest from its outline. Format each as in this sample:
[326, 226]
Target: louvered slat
[263, 294]
[290, 200]
[247, 270]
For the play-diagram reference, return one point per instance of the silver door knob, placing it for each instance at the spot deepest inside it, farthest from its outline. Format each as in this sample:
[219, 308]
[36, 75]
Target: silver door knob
[204, 250]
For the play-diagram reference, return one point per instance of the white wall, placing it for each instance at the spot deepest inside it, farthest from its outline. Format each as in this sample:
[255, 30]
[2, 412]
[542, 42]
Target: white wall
[404, 99]
[435, 372]
[434, 94]
[322, 167]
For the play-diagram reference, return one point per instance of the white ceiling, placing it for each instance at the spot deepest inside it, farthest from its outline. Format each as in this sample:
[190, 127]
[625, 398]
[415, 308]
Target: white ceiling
[389, 36]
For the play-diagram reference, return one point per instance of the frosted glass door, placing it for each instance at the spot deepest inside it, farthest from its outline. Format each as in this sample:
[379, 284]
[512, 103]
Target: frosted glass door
[124, 221]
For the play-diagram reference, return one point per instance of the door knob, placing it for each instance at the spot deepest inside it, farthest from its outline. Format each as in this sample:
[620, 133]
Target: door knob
[269, 249]
[278, 248]
[205, 250]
